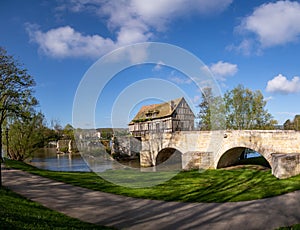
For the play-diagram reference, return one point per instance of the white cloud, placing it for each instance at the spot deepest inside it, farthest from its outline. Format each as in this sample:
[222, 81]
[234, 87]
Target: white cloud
[205, 69]
[280, 84]
[288, 113]
[221, 70]
[144, 13]
[268, 98]
[275, 23]
[158, 66]
[158, 13]
[245, 47]
[180, 80]
[129, 21]
[65, 42]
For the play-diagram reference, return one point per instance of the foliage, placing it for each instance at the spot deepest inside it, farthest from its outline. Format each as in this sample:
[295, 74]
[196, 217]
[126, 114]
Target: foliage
[25, 136]
[219, 185]
[241, 109]
[57, 129]
[205, 112]
[293, 227]
[106, 134]
[50, 134]
[16, 89]
[212, 111]
[296, 122]
[17, 212]
[288, 125]
[64, 149]
[68, 132]
[292, 125]
[25, 129]
[245, 109]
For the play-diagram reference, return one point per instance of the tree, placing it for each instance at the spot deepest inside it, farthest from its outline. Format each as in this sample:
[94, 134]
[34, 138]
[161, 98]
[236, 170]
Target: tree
[292, 125]
[245, 109]
[26, 135]
[68, 132]
[16, 89]
[212, 110]
[288, 125]
[241, 108]
[57, 128]
[296, 122]
[205, 112]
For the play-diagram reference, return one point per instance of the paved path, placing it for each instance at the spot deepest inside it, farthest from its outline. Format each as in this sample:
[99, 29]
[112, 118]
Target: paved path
[130, 213]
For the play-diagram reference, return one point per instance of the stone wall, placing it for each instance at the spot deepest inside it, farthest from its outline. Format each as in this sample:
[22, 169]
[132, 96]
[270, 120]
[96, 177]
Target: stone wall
[66, 146]
[197, 160]
[125, 146]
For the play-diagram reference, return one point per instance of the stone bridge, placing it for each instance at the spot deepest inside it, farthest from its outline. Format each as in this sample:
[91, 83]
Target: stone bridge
[218, 149]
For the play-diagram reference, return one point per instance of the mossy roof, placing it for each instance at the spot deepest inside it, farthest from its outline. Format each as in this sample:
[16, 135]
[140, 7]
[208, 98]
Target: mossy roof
[160, 110]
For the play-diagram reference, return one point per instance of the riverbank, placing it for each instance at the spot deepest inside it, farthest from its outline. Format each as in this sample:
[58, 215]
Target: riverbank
[130, 213]
[221, 185]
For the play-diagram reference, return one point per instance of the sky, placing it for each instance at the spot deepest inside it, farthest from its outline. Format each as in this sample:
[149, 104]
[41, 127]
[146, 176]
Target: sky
[61, 43]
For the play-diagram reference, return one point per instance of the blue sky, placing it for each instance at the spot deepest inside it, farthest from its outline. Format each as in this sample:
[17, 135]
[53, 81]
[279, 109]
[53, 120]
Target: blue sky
[254, 43]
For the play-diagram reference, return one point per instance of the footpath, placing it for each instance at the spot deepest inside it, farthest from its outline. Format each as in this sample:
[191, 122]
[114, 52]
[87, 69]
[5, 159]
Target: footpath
[131, 213]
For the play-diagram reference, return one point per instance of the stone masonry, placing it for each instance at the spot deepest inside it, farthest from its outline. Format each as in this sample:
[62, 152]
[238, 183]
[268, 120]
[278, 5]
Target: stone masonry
[218, 149]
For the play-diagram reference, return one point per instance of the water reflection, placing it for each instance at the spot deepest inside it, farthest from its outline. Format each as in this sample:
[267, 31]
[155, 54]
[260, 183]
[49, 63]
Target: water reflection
[48, 159]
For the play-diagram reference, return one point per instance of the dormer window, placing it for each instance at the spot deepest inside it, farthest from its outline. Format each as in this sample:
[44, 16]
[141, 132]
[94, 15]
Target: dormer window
[152, 113]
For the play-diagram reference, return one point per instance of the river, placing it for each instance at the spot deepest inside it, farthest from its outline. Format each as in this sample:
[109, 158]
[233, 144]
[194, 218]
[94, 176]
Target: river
[48, 159]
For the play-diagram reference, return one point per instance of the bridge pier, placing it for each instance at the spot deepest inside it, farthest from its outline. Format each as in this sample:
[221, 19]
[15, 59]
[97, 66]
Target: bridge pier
[146, 159]
[197, 160]
[285, 165]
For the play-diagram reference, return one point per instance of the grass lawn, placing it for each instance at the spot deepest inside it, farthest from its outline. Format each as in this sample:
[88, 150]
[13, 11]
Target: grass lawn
[17, 212]
[294, 227]
[222, 185]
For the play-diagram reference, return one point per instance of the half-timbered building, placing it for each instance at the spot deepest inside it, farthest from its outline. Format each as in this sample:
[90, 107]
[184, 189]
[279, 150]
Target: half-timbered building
[175, 115]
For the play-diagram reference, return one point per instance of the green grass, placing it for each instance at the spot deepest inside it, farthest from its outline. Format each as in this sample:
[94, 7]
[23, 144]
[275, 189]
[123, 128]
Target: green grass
[17, 212]
[191, 186]
[294, 227]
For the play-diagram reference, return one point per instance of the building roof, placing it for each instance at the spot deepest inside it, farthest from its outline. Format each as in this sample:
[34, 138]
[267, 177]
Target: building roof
[156, 111]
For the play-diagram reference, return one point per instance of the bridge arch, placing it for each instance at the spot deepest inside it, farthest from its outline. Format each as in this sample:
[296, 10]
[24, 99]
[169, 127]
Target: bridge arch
[169, 156]
[232, 155]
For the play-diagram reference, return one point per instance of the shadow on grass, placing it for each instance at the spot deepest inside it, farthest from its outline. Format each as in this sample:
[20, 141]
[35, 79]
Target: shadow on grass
[17, 212]
[220, 185]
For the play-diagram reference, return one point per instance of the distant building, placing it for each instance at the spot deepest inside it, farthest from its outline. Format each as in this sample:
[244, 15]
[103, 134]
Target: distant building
[88, 134]
[279, 127]
[175, 115]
